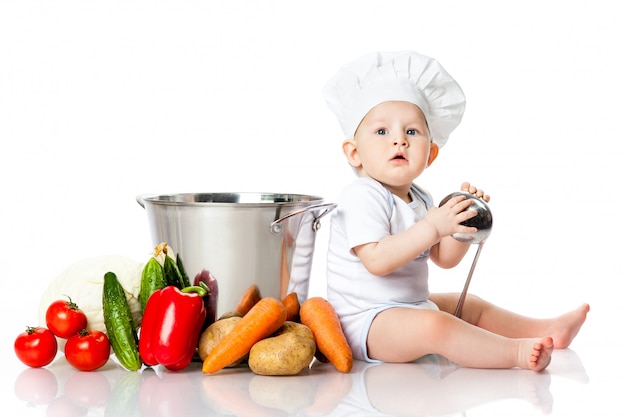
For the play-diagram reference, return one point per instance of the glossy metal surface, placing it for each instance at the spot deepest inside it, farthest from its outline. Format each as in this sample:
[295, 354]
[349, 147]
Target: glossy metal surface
[241, 238]
[459, 307]
[483, 220]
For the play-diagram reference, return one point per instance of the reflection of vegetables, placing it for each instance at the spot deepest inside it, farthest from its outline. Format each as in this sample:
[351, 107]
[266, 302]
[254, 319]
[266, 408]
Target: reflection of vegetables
[263, 319]
[36, 386]
[87, 390]
[320, 316]
[286, 396]
[168, 394]
[124, 399]
[83, 281]
[172, 323]
[119, 324]
[230, 395]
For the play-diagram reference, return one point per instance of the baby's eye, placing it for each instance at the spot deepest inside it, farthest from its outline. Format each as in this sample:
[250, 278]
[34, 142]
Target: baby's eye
[381, 132]
[411, 132]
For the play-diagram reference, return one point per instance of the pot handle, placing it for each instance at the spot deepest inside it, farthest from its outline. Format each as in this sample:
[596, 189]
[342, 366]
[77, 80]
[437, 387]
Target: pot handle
[140, 200]
[276, 226]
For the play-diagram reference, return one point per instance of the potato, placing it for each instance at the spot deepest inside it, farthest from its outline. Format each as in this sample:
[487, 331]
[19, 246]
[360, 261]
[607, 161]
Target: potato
[230, 314]
[286, 354]
[297, 328]
[213, 334]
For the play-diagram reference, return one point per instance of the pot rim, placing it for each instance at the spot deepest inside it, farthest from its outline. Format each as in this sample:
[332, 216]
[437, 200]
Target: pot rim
[247, 199]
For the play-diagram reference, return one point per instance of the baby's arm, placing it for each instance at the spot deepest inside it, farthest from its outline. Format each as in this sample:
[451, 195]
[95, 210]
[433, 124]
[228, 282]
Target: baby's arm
[448, 252]
[392, 252]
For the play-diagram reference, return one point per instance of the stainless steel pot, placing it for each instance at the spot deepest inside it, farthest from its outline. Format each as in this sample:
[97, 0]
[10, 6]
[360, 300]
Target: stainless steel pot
[241, 238]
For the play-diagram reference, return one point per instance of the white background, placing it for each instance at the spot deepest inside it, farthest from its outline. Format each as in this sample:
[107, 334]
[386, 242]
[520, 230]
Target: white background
[102, 101]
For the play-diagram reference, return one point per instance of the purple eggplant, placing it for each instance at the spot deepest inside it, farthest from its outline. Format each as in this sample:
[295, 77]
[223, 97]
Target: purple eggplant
[210, 300]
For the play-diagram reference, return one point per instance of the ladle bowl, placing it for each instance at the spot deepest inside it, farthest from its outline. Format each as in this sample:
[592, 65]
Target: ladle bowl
[483, 221]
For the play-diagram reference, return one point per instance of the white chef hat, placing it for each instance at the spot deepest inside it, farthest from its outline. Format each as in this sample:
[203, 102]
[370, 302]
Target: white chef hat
[396, 76]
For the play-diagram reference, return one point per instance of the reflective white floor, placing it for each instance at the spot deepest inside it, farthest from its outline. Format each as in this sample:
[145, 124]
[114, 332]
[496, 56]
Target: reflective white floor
[585, 380]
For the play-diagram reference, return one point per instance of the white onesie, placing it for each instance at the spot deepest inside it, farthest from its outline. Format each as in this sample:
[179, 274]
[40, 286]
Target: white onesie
[367, 212]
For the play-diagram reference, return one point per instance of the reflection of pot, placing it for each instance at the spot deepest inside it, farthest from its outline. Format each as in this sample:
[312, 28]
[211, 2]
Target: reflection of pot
[241, 238]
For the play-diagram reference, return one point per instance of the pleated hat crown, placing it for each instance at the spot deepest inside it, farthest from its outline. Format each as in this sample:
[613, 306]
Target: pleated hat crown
[396, 76]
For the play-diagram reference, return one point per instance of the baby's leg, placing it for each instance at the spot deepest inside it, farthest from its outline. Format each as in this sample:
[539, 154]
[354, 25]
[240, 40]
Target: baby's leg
[495, 319]
[404, 335]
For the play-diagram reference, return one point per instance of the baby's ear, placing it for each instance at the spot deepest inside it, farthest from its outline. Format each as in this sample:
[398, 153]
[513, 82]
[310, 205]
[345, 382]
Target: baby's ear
[351, 153]
[434, 151]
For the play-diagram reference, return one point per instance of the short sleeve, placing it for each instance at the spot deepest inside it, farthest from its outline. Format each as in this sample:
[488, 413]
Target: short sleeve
[364, 208]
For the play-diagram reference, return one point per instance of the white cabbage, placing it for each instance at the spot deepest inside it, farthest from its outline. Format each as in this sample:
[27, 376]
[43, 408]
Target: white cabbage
[83, 282]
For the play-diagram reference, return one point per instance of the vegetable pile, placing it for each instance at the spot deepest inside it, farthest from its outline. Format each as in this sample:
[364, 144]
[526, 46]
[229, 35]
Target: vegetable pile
[258, 331]
[153, 314]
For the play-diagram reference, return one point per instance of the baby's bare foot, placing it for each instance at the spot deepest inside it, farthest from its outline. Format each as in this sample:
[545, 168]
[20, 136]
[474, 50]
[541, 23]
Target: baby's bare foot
[535, 354]
[566, 326]
[540, 354]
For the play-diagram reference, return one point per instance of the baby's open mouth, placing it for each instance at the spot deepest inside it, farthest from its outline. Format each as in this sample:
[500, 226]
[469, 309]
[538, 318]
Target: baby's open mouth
[399, 157]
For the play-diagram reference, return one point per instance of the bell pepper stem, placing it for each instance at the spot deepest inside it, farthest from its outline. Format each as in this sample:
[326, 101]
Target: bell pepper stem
[201, 289]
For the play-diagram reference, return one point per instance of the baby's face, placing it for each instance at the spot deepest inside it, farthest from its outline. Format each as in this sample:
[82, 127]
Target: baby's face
[392, 144]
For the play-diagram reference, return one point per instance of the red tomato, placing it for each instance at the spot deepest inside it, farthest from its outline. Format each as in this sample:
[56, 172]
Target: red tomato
[36, 347]
[65, 319]
[88, 350]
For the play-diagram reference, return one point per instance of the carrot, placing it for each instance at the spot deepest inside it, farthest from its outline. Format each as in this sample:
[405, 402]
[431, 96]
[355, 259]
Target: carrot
[261, 321]
[292, 304]
[320, 316]
[248, 299]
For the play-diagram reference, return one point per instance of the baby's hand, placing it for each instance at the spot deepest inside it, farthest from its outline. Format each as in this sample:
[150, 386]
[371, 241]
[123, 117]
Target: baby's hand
[447, 218]
[468, 188]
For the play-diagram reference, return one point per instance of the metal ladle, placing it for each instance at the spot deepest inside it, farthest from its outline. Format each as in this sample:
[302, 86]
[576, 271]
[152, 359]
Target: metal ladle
[483, 222]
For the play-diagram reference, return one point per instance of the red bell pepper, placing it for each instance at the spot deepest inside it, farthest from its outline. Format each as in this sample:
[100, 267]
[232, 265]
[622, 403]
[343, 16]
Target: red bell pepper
[171, 326]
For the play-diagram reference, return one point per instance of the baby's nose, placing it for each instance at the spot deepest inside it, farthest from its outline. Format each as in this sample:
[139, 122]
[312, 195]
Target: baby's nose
[400, 141]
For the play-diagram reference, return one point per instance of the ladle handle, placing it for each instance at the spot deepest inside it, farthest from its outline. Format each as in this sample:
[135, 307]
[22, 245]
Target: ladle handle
[459, 306]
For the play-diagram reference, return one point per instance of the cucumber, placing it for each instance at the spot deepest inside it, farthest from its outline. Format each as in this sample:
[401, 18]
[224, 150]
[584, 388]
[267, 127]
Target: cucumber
[119, 324]
[183, 273]
[172, 273]
[152, 279]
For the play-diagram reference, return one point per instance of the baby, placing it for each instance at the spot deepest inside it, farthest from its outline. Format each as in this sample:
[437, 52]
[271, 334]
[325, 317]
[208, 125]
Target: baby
[396, 111]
